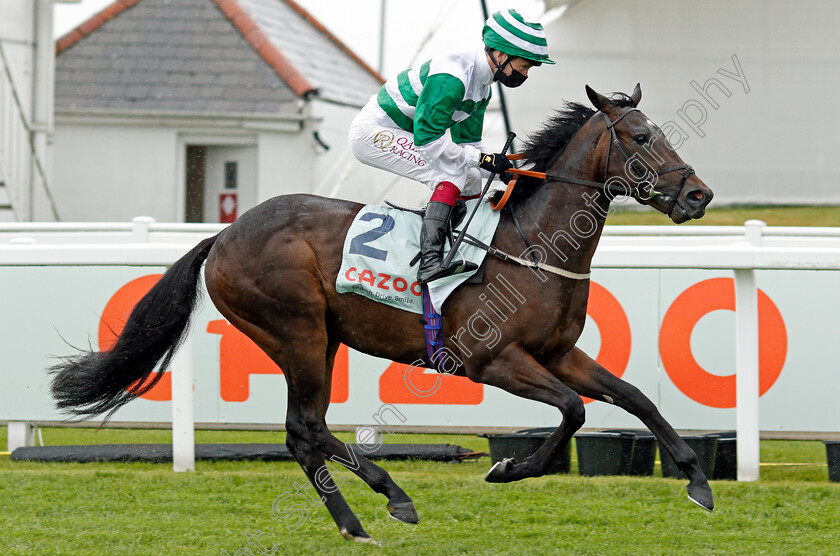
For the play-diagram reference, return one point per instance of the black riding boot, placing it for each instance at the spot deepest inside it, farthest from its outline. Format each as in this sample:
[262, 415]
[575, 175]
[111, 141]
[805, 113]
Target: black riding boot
[432, 239]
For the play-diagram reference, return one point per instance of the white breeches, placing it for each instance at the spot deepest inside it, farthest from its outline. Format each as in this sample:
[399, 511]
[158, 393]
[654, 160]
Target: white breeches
[392, 148]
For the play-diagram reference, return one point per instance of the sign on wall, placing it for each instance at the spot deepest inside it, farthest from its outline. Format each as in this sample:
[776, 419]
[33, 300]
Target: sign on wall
[668, 332]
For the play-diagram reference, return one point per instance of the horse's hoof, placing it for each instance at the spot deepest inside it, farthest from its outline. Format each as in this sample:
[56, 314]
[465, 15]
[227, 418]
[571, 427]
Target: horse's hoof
[359, 537]
[498, 473]
[404, 511]
[702, 496]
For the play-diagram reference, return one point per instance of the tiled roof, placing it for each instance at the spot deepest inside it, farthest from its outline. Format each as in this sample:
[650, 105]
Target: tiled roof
[339, 75]
[243, 56]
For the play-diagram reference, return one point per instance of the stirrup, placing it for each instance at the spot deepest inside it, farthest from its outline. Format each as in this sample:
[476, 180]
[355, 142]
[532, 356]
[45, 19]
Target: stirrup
[458, 267]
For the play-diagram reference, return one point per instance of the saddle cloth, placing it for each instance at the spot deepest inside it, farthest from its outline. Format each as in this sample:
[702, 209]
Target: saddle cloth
[379, 247]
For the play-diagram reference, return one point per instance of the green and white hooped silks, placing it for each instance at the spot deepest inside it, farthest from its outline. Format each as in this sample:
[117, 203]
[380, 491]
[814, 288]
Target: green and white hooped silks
[508, 32]
[403, 128]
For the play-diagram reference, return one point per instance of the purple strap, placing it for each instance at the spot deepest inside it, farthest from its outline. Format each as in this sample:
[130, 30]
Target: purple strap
[432, 330]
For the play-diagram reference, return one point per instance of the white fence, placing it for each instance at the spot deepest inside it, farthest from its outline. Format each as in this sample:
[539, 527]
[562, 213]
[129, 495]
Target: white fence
[741, 249]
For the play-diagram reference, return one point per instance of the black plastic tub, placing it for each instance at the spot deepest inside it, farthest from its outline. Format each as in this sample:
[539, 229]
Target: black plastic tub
[605, 453]
[726, 456]
[832, 452]
[703, 445]
[521, 444]
[643, 459]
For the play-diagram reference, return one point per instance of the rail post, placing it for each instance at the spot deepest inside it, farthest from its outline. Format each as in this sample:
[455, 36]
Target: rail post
[746, 362]
[183, 420]
[19, 434]
[140, 228]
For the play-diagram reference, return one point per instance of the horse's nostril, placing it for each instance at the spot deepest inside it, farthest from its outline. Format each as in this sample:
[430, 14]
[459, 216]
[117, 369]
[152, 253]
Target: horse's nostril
[696, 196]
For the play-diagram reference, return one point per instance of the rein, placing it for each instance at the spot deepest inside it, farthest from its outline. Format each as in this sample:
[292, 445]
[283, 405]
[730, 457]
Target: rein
[608, 187]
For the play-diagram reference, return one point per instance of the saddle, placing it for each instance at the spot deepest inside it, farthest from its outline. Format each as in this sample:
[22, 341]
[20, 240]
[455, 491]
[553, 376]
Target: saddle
[459, 212]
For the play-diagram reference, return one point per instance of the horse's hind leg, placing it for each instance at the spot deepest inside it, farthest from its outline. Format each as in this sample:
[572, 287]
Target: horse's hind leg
[590, 379]
[298, 343]
[307, 422]
[297, 437]
[312, 462]
[517, 372]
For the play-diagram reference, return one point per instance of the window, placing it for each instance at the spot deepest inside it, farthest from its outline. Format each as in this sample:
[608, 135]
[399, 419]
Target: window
[230, 175]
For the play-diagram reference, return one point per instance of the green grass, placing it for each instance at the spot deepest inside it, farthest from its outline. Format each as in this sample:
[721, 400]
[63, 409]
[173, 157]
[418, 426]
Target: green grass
[736, 216]
[116, 508]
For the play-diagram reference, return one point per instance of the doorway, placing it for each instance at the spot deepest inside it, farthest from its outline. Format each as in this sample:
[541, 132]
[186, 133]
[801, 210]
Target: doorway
[220, 182]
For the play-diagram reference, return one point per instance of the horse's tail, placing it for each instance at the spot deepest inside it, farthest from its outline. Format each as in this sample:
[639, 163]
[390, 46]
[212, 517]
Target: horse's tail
[95, 382]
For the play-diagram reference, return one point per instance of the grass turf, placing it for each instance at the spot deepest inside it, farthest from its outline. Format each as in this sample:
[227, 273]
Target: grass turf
[736, 216]
[117, 508]
[138, 509]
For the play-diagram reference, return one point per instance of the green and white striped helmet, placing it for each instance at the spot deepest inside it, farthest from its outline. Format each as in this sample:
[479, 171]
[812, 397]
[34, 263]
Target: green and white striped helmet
[508, 32]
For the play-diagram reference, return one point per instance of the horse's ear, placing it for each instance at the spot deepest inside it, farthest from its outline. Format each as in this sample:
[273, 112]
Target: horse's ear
[598, 100]
[636, 95]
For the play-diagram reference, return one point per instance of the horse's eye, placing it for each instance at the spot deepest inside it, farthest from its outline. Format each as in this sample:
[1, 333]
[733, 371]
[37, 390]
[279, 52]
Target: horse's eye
[640, 138]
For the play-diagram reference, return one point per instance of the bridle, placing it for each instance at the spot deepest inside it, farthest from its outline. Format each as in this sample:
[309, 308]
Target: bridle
[616, 190]
[610, 186]
[615, 140]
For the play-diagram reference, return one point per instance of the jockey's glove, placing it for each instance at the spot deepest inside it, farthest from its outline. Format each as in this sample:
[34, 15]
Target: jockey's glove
[497, 164]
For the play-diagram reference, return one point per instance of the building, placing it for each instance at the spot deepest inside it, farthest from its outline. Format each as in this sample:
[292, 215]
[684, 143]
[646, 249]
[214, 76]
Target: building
[196, 110]
[742, 88]
[26, 109]
[154, 98]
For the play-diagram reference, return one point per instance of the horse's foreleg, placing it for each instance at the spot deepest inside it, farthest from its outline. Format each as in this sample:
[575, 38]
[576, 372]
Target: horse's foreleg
[515, 371]
[590, 379]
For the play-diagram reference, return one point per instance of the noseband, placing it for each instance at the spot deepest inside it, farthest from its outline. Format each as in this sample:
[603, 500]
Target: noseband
[615, 140]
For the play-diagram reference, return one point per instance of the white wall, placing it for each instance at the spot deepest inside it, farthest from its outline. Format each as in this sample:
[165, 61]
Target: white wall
[338, 174]
[775, 143]
[115, 171]
[27, 106]
[284, 164]
[111, 173]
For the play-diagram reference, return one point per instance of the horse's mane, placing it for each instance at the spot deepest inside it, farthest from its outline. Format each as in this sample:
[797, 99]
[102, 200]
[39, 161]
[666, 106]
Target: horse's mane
[547, 143]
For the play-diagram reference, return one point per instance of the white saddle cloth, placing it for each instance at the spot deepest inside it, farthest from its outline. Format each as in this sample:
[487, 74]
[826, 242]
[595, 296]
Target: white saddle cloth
[380, 245]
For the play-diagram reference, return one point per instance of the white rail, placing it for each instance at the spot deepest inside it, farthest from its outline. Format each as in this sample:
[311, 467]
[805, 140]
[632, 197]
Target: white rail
[620, 236]
[145, 242]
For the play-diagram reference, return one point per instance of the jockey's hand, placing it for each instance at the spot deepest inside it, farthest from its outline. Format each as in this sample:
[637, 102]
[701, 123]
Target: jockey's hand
[497, 164]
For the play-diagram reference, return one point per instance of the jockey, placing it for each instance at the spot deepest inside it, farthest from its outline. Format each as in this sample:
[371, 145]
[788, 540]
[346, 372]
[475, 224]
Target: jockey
[402, 129]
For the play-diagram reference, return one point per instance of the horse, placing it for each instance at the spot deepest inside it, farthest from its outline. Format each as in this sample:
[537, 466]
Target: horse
[272, 274]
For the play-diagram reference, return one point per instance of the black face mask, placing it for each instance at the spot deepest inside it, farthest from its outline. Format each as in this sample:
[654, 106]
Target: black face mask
[515, 79]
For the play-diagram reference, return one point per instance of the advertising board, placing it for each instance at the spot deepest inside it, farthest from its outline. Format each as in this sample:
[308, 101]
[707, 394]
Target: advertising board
[670, 332]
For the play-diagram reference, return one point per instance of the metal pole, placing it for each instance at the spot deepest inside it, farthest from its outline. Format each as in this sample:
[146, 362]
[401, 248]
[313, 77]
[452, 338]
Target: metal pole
[381, 65]
[502, 103]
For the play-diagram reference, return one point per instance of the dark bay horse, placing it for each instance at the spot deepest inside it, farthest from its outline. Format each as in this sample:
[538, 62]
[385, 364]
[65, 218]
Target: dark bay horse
[272, 274]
